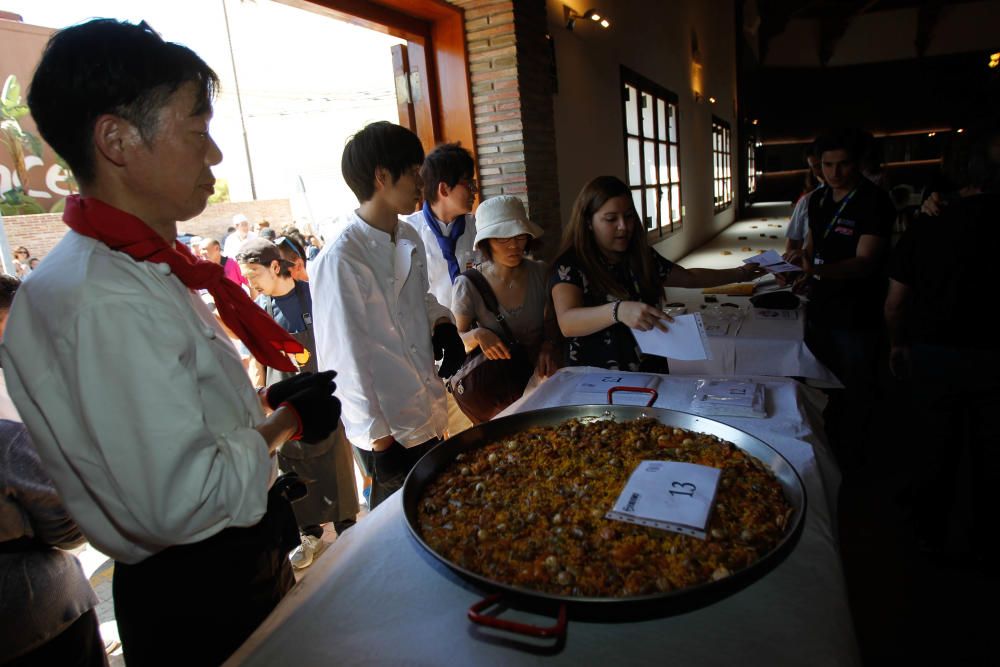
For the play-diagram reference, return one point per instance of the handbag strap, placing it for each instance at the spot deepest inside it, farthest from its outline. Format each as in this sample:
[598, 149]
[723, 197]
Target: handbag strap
[489, 300]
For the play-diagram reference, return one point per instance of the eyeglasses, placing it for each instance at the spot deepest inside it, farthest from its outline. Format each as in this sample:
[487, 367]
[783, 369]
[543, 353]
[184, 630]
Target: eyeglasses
[513, 240]
[284, 240]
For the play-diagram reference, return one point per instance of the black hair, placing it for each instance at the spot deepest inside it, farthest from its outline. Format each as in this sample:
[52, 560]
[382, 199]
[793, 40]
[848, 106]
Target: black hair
[8, 286]
[265, 257]
[106, 66]
[382, 144]
[852, 140]
[486, 252]
[448, 164]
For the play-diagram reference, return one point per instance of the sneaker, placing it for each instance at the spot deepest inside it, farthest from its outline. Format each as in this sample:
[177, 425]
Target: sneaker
[304, 554]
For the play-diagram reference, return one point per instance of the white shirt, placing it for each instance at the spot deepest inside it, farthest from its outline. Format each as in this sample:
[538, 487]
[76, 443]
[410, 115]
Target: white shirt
[7, 409]
[136, 401]
[437, 266]
[234, 243]
[373, 316]
[798, 224]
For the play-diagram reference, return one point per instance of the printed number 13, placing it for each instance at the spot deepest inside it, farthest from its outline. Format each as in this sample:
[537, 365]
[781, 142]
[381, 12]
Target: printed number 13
[683, 485]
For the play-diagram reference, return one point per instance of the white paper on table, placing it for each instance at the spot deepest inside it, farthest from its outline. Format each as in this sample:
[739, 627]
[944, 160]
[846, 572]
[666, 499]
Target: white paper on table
[773, 262]
[714, 327]
[685, 339]
[599, 383]
[734, 398]
[669, 495]
[774, 314]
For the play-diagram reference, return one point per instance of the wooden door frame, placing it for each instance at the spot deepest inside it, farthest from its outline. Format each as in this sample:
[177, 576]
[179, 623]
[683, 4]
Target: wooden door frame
[437, 26]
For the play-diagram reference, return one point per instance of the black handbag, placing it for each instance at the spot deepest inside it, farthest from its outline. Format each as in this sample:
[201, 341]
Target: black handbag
[483, 387]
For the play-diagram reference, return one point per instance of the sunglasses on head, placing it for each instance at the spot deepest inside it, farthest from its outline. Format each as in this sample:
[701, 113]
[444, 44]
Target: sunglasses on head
[283, 240]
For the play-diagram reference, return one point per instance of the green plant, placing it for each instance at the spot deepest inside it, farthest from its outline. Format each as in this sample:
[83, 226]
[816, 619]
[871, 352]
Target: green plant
[221, 193]
[14, 138]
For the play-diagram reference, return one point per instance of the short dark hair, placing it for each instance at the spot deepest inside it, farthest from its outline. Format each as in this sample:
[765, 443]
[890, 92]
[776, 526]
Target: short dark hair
[106, 66]
[8, 286]
[263, 252]
[382, 144]
[850, 139]
[448, 164]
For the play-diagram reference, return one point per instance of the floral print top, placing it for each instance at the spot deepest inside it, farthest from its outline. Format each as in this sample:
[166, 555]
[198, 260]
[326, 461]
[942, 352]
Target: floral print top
[613, 348]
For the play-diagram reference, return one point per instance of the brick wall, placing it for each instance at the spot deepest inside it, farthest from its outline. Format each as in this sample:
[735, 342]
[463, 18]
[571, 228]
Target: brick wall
[218, 217]
[39, 233]
[509, 64]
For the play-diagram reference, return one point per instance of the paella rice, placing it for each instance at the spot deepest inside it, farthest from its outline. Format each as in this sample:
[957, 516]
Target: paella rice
[529, 511]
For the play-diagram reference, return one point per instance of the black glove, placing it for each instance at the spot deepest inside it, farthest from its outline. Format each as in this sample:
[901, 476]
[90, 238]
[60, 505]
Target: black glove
[318, 412]
[449, 346]
[279, 392]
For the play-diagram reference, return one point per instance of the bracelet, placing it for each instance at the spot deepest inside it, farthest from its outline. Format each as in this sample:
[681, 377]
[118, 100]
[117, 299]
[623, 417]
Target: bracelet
[614, 311]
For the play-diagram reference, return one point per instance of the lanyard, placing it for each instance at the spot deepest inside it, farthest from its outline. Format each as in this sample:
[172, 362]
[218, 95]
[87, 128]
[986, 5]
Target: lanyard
[840, 210]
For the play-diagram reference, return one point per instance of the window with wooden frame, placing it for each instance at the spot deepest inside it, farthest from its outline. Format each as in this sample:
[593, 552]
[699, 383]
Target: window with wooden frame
[652, 151]
[751, 167]
[722, 168]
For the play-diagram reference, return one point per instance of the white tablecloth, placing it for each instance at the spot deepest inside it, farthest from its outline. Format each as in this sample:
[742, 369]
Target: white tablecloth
[376, 598]
[754, 346]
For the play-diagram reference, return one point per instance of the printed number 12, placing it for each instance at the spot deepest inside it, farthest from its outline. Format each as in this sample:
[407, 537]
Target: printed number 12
[683, 485]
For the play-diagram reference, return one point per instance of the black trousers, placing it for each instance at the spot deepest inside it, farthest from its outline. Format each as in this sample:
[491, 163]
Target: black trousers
[389, 468]
[79, 645]
[195, 604]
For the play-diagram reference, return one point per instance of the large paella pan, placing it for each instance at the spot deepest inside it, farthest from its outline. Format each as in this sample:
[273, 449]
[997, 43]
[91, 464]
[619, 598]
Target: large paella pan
[630, 604]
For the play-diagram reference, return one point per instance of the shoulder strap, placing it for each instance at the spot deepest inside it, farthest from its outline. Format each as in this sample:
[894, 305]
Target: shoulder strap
[490, 300]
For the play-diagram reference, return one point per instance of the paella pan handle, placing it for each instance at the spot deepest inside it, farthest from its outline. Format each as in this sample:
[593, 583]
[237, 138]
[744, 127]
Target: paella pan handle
[653, 394]
[554, 631]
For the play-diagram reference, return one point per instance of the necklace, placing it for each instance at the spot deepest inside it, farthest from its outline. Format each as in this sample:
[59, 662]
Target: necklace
[509, 284]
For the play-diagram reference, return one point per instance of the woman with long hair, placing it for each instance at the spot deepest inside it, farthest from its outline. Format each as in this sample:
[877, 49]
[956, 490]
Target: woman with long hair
[607, 279]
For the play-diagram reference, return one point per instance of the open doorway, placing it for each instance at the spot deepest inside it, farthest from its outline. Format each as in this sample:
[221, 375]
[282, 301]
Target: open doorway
[298, 78]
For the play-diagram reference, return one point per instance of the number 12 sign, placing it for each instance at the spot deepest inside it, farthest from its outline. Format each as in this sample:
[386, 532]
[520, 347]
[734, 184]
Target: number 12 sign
[669, 495]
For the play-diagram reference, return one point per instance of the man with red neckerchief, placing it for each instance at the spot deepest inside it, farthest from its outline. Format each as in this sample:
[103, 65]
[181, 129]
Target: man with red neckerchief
[137, 402]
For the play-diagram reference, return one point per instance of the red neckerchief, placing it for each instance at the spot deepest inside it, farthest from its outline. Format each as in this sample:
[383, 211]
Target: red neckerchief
[124, 232]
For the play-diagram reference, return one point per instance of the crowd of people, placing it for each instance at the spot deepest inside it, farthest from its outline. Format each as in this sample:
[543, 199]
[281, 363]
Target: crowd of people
[172, 462]
[165, 446]
[872, 306]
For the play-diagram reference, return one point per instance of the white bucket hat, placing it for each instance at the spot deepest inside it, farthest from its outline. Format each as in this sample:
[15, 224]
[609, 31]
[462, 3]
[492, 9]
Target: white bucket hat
[502, 217]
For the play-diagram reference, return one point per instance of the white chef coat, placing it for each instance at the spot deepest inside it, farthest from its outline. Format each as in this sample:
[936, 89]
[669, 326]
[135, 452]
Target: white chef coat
[234, 243]
[437, 266]
[373, 316]
[136, 401]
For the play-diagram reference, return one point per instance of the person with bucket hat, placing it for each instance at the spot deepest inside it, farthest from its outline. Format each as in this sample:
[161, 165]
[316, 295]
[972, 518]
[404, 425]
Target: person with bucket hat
[500, 310]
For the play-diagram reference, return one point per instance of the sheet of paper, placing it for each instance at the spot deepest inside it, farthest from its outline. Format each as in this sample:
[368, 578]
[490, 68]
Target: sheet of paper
[599, 383]
[772, 262]
[684, 340]
[669, 495]
[769, 314]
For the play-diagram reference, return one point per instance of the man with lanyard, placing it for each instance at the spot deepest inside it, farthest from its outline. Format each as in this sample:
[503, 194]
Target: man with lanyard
[328, 465]
[138, 404]
[844, 261]
[447, 228]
